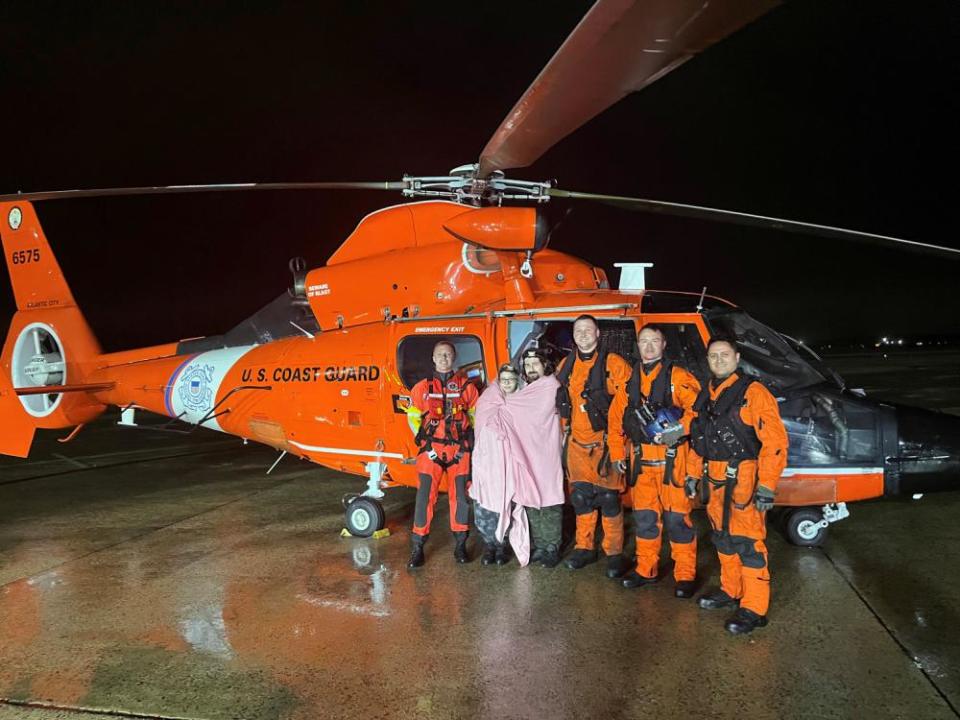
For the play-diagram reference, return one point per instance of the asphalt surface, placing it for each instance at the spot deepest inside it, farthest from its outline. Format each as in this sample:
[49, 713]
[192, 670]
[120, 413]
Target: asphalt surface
[149, 574]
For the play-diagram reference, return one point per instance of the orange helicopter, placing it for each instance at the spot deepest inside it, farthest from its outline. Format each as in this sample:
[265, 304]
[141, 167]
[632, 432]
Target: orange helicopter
[324, 371]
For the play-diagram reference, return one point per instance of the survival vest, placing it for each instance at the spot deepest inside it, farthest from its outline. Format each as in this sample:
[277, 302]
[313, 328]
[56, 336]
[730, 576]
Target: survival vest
[718, 432]
[661, 396]
[596, 398]
[447, 409]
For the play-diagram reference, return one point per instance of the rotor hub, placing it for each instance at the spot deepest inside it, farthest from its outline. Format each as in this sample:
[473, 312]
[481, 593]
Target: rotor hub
[463, 185]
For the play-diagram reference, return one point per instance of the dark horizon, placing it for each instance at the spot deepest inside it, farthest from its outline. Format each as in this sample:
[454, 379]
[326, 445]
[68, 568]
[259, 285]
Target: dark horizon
[827, 114]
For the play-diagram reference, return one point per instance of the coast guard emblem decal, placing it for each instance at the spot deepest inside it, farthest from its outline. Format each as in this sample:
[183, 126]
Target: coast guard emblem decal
[195, 391]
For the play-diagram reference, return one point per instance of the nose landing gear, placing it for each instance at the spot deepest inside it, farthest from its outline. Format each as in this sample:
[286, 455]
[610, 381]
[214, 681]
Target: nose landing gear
[807, 526]
[363, 516]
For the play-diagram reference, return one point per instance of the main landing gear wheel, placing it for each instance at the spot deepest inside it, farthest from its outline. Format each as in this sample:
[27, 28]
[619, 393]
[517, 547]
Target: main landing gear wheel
[363, 516]
[805, 527]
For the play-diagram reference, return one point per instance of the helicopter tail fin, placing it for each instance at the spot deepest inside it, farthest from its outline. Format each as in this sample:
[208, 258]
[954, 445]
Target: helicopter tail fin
[49, 342]
[18, 427]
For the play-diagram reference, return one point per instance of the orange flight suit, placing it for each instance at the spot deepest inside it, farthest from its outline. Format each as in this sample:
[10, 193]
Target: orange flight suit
[658, 502]
[594, 484]
[445, 410]
[744, 569]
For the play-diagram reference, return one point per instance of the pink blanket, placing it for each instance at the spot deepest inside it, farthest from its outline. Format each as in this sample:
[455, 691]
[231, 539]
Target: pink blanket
[516, 457]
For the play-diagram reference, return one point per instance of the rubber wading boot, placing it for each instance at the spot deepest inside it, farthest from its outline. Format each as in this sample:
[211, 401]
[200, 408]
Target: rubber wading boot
[416, 552]
[489, 555]
[685, 588]
[744, 621]
[580, 559]
[716, 599]
[633, 579]
[460, 550]
[550, 557]
[503, 554]
[617, 565]
[536, 556]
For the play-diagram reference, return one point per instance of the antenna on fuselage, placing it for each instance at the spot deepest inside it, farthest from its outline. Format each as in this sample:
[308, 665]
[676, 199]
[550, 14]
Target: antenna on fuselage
[700, 302]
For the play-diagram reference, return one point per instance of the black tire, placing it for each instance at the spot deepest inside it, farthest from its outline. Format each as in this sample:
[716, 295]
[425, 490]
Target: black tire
[801, 527]
[363, 517]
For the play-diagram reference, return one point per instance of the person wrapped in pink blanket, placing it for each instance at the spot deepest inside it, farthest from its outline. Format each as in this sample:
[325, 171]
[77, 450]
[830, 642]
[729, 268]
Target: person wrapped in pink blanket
[516, 463]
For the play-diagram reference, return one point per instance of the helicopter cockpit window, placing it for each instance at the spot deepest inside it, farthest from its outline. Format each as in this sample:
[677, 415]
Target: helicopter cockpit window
[827, 429]
[555, 337]
[763, 352]
[415, 357]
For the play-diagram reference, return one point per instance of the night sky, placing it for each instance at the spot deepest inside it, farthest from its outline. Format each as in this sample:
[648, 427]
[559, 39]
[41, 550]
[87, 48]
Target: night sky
[840, 113]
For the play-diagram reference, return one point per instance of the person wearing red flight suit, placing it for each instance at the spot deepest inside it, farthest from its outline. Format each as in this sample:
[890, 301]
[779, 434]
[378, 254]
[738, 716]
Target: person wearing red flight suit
[738, 449]
[658, 466]
[440, 415]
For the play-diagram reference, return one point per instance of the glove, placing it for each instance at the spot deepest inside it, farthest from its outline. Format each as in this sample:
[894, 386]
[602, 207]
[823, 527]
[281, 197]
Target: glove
[621, 466]
[764, 498]
[432, 454]
[690, 487]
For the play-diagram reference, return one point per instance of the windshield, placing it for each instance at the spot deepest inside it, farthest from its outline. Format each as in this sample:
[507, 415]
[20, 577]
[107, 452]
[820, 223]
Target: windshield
[764, 352]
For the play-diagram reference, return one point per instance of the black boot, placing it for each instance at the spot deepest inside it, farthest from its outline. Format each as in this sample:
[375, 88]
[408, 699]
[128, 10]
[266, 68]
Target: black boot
[489, 554]
[550, 557]
[744, 621]
[580, 559]
[685, 588]
[715, 599]
[536, 556]
[503, 554]
[460, 550]
[416, 552]
[633, 579]
[617, 565]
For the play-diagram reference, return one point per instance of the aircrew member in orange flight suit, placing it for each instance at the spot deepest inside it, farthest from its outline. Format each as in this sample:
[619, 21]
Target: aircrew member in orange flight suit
[591, 400]
[738, 449]
[441, 417]
[658, 464]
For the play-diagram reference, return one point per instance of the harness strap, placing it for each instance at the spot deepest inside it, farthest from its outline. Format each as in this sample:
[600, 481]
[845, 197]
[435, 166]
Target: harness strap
[633, 468]
[705, 482]
[668, 463]
[603, 466]
[728, 487]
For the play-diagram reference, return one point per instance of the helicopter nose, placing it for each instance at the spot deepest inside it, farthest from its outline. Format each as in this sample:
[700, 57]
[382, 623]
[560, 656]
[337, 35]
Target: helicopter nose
[928, 452]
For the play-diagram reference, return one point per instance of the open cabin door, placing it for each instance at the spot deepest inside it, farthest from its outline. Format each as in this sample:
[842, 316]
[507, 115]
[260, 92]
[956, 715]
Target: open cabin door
[413, 343]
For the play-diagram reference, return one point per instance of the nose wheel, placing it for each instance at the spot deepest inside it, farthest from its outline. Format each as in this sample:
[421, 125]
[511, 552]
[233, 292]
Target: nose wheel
[363, 516]
[806, 527]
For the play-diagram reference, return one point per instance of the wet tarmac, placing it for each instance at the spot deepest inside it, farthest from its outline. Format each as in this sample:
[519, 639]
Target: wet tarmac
[155, 575]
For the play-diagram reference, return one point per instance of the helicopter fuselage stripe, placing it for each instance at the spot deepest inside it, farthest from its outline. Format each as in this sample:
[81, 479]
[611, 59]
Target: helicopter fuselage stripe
[346, 451]
[173, 379]
[789, 472]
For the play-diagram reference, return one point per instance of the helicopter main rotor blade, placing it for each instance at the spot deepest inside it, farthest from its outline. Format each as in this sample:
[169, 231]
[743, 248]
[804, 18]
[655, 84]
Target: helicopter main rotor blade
[750, 220]
[181, 189]
[619, 47]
